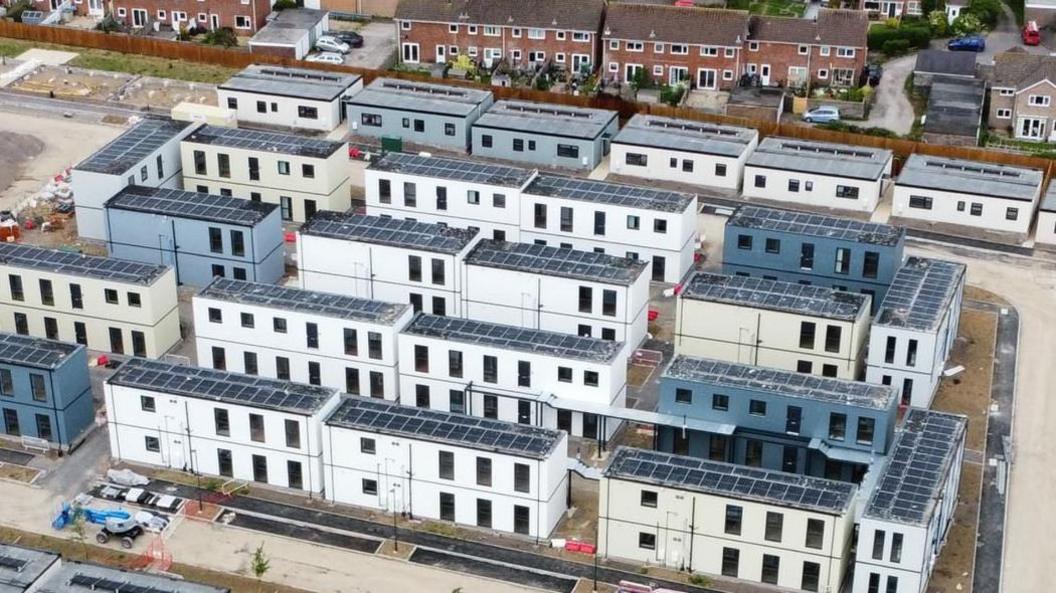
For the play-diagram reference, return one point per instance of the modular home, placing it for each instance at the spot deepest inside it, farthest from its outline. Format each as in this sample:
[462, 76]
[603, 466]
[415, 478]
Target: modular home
[817, 174]
[302, 175]
[783, 325]
[319, 338]
[201, 236]
[103, 303]
[23, 568]
[716, 518]
[682, 151]
[967, 194]
[545, 134]
[147, 154]
[385, 259]
[68, 576]
[909, 512]
[223, 424]
[417, 112]
[1045, 234]
[45, 391]
[435, 465]
[289, 97]
[513, 374]
[915, 328]
[841, 253]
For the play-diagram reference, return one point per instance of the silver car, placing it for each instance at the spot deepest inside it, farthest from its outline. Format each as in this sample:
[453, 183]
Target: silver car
[332, 44]
[326, 57]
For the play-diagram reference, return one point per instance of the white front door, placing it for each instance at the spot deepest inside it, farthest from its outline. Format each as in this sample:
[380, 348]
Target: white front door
[441, 54]
[1031, 128]
[707, 78]
[214, 21]
[410, 53]
[764, 74]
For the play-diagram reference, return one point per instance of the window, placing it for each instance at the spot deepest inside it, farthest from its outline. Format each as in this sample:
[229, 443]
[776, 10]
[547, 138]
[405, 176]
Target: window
[216, 240]
[284, 167]
[446, 469]
[811, 576]
[636, 160]
[1004, 113]
[720, 402]
[256, 428]
[1039, 100]
[564, 374]
[871, 264]
[224, 463]
[866, 426]
[793, 417]
[374, 345]
[199, 162]
[152, 444]
[483, 471]
[447, 502]
[874, 583]
[219, 358]
[414, 268]
[524, 373]
[646, 540]
[522, 477]
[590, 378]
[147, 404]
[370, 487]
[456, 401]
[911, 353]
[282, 368]
[845, 52]
[815, 533]
[491, 406]
[498, 200]
[920, 202]
[771, 568]
[807, 331]
[17, 294]
[278, 324]
[421, 396]
[352, 380]
[649, 498]
[774, 525]
[744, 242]
[221, 422]
[608, 303]
[367, 446]
[833, 335]
[22, 325]
[568, 151]
[110, 295]
[473, 196]
[683, 395]
[7, 386]
[249, 363]
[377, 384]
[847, 192]
[760, 181]
[311, 331]
[837, 426]
[47, 296]
[896, 548]
[491, 369]
[293, 434]
[371, 119]
[586, 299]
[878, 544]
[223, 164]
[843, 260]
[660, 226]
[733, 519]
[757, 407]
[731, 558]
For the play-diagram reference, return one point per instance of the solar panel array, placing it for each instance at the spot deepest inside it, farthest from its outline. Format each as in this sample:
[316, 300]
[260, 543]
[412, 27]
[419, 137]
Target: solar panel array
[920, 294]
[388, 231]
[72, 576]
[133, 146]
[821, 158]
[606, 192]
[555, 261]
[202, 383]
[513, 338]
[390, 418]
[685, 135]
[452, 169]
[790, 297]
[780, 382]
[35, 352]
[729, 480]
[107, 585]
[910, 484]
[76, 264]
[815, 225]
[972, 177]
[275, 142]
[188, 204]
[12, 563]
[305, 301]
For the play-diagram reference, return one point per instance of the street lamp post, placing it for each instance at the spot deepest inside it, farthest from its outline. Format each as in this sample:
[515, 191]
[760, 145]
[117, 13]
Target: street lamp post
[395, 528]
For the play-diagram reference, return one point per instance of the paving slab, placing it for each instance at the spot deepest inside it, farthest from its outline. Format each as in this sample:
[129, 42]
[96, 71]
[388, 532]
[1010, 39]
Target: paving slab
[49, 57]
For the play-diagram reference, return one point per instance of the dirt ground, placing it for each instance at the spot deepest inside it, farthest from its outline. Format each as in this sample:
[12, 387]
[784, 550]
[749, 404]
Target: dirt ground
[73, 83]
[969, 392]
[18, 473]
[953, 570]
[17, 150]
[161, 93]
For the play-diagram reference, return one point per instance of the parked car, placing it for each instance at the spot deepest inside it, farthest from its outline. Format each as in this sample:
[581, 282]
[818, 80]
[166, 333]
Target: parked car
[326, 57]
[969, 43]
[327, 43]
[822, 115]
[1031, 34]
[352, 38]
[871, 74]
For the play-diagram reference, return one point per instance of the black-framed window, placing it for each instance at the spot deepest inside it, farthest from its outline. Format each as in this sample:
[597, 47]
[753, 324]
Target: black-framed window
[734, 515]
[650, 498]
[683, 395]
[720, 402]
[483, 471]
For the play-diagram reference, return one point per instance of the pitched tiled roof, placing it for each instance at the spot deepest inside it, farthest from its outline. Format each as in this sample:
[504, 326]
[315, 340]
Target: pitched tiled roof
[847, 28]
[674, 24]
[578, 15]
[1018, 69]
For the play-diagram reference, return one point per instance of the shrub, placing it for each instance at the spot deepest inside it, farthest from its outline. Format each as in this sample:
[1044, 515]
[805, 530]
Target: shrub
[109, 24]
[672, 95]
[939, 25]
[14, 12]
[988, 11]
[967, 24]
[895, 47]
[223, 37]
[283, 5]
[917, 33]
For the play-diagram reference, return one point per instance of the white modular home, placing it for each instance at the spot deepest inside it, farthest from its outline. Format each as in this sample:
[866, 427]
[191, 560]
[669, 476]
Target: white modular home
[1045, 235]
[910, 510]
[684, 513]
[103, 303]
[147, 154]
[218, 423]
[319, 338]
[582, 293]
[817, 174]
[289, 97]
[770, 323]
[428, 464]
[967, 194]
[915, 329]
[683, 151]
[302, 175]
[656, 226]
[513, 374]
[459, 193]
[385, 259]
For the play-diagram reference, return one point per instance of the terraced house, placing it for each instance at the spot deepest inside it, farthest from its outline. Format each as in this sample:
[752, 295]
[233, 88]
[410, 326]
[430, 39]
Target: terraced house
[829, 50]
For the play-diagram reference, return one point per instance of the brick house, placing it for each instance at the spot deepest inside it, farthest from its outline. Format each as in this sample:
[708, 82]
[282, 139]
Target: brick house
[244, 16]
[674, 44]
[1021, 95]
[564, 32]
[830, 49]
[80, 7]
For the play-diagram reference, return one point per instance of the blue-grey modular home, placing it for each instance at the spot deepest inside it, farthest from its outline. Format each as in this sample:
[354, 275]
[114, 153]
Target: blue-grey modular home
[201, 235]
[44, 390]
[829, 251]
[22, 568]
[417, 112]
[545, 134]
[783, 420]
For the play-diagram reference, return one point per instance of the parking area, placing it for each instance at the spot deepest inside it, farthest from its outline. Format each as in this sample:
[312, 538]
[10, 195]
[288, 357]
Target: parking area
[379, 44]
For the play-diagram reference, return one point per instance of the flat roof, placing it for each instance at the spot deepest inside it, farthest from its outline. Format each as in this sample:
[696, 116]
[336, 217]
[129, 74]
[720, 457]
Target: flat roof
[556, 261]
[131, 147]
[58, 261]
[815, 225]
[607, 192]
[424, 97]
[780, 382]
[289, 26]
[508, 337]
[304, 301]
[731, 481]
[917, 467]
[821, 158]
[775, 295]
[21, 567]
[393, 232]
[221, 386]
[452, 169]
[301, 83]
[920, 294]
[970, 177]
[686, 135]
[34, 352]
[460, 430]
[1048, 202]
[547, 118]
[273, 142]
[188, 204]
[76, 577]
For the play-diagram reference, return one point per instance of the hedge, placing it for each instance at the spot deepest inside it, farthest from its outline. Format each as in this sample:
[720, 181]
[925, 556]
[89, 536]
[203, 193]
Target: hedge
[916, 35]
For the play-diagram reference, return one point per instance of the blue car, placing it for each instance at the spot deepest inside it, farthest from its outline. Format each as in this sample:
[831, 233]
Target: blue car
[972, 43]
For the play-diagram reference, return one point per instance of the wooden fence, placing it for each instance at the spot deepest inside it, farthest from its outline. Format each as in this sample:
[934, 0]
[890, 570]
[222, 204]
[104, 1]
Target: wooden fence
[240, 58]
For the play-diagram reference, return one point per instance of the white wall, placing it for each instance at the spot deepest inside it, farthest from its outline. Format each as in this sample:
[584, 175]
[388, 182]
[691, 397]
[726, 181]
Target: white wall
[944, 206]
[822, 193]
[285, 112]
[658, 165]
[1046, 231]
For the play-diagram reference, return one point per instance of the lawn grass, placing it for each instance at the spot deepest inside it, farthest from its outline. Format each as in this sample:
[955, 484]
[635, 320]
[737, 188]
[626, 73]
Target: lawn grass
[792, 8]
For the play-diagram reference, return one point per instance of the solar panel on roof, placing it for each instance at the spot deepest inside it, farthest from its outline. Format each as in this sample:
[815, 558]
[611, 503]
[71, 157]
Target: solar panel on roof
[309, 301]
[453, 169]
[388, 231]
[816, 225]
[605, 192]
[12, 563]
[269, 141]
[920, 293]
[38, 352]
[91, 266]
[568, 263]
[187, 204]
[792, 297]
[131, 147]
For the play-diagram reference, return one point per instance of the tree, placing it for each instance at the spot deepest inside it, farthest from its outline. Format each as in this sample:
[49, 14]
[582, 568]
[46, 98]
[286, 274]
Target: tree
[259, 563]
[988, 11]
[283, 5]
[939, 25]
[79, 529]
[966, 24]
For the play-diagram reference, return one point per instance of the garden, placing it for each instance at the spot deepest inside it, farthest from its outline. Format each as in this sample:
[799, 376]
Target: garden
[896, 37]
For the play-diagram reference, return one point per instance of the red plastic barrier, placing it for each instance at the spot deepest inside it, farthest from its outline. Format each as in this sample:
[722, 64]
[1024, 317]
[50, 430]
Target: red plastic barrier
[653, 314]
[102, 360]
[572, 545]
[291, 237]
[586, 548]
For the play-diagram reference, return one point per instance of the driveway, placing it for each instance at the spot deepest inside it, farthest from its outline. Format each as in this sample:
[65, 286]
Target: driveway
[1003, 38]
[891, 109]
